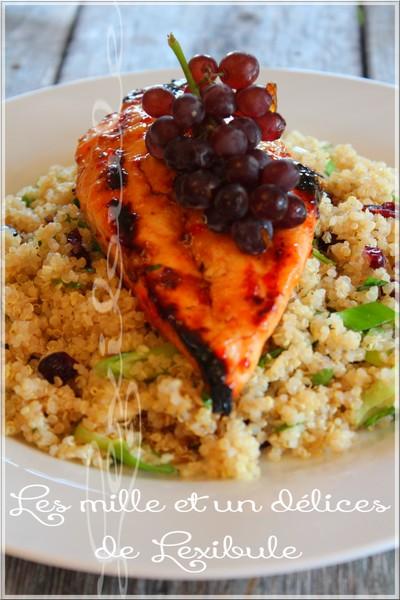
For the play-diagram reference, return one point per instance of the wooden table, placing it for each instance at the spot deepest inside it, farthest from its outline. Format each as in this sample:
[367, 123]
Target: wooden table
[58, 43]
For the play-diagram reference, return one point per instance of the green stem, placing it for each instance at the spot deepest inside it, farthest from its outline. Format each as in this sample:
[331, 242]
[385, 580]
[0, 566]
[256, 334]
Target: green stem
[177, 50]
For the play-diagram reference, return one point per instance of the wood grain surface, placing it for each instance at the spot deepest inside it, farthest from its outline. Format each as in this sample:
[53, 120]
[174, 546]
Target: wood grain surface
[51, 44]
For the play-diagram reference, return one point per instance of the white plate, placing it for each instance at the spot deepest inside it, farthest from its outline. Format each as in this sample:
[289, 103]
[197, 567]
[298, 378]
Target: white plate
[42, 129]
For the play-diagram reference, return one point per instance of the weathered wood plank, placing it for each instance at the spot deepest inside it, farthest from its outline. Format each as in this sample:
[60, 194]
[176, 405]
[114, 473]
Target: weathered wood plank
[372, 576]
[35, 37]
[380, 45]
[317, 37]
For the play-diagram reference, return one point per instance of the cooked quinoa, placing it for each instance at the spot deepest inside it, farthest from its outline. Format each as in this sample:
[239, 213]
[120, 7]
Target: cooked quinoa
[50, 308]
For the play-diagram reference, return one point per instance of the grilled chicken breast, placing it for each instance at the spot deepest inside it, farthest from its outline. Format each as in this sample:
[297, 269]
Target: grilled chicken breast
[215, 303]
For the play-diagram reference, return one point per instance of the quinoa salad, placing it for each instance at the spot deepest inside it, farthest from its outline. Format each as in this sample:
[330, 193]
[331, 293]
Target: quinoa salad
[322, 378]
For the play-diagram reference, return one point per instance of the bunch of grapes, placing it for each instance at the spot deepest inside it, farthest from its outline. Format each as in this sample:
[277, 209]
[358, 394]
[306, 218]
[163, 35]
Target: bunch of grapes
[210, 139]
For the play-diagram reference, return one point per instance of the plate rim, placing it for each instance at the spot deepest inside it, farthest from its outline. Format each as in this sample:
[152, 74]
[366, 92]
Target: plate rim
[335, 557]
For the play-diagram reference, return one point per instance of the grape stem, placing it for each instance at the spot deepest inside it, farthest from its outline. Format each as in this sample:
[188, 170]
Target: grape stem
[177, 50]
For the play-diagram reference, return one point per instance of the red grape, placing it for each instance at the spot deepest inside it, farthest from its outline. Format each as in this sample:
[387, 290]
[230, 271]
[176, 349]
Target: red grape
[239, 69]
[268, 227]
[262, 157]
[250, 128]
[219, 100]
[282, 173]
[247, 234]
[296, 213]
[253, 101]
[272, 126]
[231, 201]
[188, 110]
[196, 190]
[188, 154]
[268, 202]
[203, 68]
[160, 133]
[216, 222]
[178, 154]
[242, 169]
[157, 101]
[228, 141]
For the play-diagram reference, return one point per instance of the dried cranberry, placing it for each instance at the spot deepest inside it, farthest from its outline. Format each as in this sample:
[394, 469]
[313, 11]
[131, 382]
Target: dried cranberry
[375, 257]
[57, 364]
[387, 209]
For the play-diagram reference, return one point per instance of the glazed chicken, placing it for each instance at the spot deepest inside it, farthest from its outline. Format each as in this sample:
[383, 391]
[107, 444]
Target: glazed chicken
[216, 304]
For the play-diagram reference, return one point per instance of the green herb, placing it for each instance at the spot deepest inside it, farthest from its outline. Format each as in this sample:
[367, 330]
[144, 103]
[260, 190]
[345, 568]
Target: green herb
[380, 414]
[285, 426]
[95, 246]
[82, 224]
[267, 357]
[153, 268]
[207, 400]
[177, 50]
[322, 377]
[27, 200]
[74, 285]
[366, 316]
[376, 358]
[118, 449]
[330, 167]
[328, 146]
[122, 364]
[379, 396]
[76, 202]
[321, 257]
[90, 270]
[371, 282]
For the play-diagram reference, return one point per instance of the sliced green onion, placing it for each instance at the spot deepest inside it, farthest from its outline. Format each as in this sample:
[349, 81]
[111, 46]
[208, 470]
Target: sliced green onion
[286, 426]
[73, 285]
[376, 358]
[380, 414]
[322, 257]
[330, 167]
[379, 396]
[82, 224]
[269, 356]
[119, 450]
[366, 316]
[27, 200]
[206, 399]
[121, 364]
[322, 377]
[371, 282]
